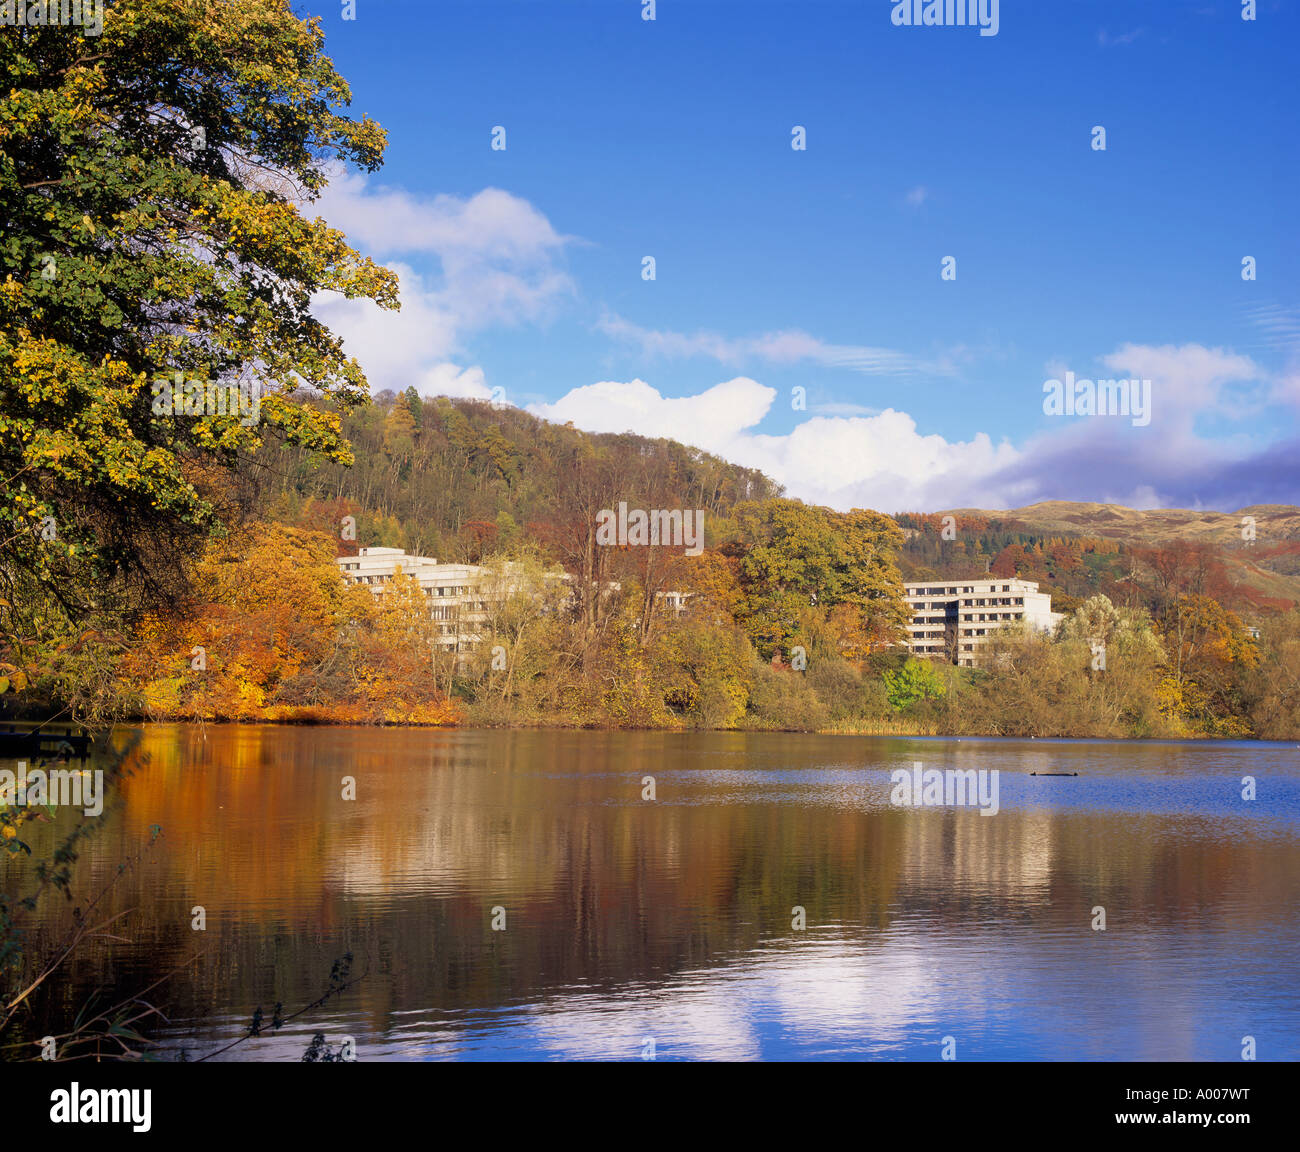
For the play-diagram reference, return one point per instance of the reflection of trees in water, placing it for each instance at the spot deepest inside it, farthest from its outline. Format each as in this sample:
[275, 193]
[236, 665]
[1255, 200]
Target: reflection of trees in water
[77, 780]
[600, 888]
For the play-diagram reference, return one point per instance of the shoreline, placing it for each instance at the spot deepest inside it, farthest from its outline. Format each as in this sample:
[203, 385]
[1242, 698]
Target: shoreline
[902, 730]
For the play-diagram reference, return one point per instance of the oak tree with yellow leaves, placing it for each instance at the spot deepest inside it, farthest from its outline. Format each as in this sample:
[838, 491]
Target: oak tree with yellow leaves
[156, 232]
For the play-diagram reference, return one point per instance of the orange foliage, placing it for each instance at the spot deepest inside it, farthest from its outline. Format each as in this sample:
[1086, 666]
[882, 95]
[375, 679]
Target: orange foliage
[273, 633]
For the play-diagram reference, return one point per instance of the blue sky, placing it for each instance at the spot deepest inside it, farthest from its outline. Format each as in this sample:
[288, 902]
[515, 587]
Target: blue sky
[777, 268]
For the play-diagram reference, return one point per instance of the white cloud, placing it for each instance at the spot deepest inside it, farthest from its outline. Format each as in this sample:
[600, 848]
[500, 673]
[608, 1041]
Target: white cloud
[401, 349]
[491, 225]
[1281, 325]
[1190, 380]
[1169, 463]
[878, 461]
[716, 416]
[917, 196]
[446, 379]
[1286, 389]
[498, 263]
[884, 461]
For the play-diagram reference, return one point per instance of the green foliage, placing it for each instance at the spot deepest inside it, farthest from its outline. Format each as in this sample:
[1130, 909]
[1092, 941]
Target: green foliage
[915, 680]
[152, 180]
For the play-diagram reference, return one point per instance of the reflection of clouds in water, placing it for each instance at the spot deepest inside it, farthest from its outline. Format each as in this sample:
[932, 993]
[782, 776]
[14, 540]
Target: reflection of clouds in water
[871, 999]
[1110, 999]
[826, 996]
[881, 994]
[697, 1022]
[898, 998]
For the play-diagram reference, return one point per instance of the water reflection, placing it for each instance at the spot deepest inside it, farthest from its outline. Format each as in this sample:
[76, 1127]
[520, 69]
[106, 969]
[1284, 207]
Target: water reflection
[628, 921]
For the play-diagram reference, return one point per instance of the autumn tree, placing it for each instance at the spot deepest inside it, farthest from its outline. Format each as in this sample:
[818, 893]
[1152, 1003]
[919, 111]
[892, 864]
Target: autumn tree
[1209, 650]
[796, 558]
[265, 607]
[1116, 661]
[522, 642]
[587, 482]
[1273, 685]
[156, 247]
[399, 434]
[705, 671]
[271, 632]
[1009, 561]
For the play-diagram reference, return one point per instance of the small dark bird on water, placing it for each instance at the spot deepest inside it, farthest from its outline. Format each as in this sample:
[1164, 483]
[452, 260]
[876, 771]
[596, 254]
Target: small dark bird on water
[1053, 773]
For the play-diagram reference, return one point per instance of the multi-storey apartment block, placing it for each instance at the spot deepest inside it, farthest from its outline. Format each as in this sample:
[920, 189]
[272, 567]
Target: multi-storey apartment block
[455, 592]
[950, 620]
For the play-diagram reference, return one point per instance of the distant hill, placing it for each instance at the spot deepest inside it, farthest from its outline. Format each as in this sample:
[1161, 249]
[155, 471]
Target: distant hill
[1274, 523]
[1081, 547]
[455, 478]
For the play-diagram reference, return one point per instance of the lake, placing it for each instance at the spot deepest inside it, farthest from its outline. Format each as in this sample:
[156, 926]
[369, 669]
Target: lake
[627, 927]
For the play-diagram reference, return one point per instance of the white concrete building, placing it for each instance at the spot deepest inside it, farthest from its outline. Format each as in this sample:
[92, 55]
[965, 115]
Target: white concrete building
[455, 592]
[458, 594]
[952, 618]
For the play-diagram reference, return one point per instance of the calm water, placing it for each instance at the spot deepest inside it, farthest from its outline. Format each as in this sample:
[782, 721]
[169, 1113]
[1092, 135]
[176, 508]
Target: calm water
[627, 920]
